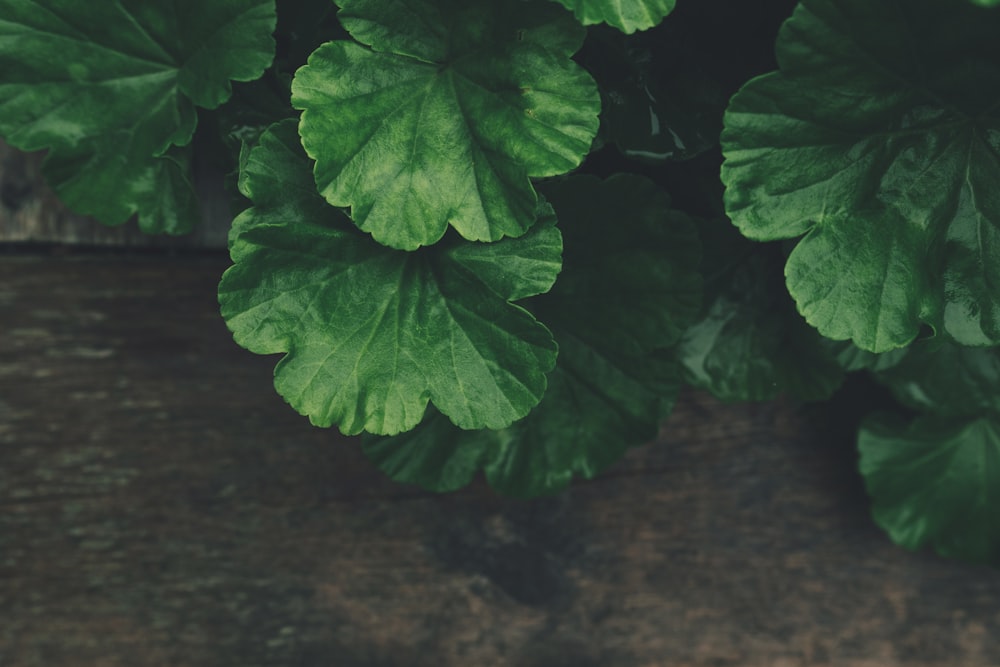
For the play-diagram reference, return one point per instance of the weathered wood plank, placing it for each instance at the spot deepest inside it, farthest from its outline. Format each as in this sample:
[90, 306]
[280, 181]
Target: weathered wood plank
[30, 212]
[161, 505]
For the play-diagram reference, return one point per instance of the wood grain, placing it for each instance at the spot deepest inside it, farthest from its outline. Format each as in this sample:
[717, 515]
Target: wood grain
[160, 505]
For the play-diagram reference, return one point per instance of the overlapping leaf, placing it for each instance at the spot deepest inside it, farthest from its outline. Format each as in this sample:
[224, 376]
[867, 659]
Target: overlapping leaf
[936, 482]
[372, 334]
[626, 15]
[108, 88]
[750, 344]
[946, 379]
[628, 290]
[879, 140]
[446, 116]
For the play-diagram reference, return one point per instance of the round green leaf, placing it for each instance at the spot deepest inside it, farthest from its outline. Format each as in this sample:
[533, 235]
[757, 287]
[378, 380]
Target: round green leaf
[444, 119]
[879, 139]
[629, 287]
[626, 15]
[935, 481]
[372, 334]
[108, 88]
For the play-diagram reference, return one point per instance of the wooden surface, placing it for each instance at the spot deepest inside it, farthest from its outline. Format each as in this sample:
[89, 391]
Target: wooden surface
[160, 505]
[30, 212]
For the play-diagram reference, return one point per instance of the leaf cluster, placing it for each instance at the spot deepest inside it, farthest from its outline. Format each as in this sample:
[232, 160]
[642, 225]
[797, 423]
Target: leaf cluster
[500, 236]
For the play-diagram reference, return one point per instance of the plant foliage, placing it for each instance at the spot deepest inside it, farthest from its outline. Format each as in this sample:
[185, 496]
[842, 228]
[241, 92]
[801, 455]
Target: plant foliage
[372, 333]
[497, 237]
[884, 151]
[111, 90]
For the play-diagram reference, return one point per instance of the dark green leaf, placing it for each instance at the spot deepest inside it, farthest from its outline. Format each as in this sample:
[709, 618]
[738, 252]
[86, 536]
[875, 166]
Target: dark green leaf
[946, 379]
[850, 357]
[936, 481]
[751, 344]
[435, 455]
[108, 88]
[879, 139]
[372, 334]
[444, 119]
[628, 289]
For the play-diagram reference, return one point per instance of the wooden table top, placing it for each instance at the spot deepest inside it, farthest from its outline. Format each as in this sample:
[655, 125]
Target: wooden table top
[161, 505]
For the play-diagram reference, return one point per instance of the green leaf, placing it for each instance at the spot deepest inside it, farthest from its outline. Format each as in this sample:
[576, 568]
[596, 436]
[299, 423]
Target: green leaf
[935, 481]
[444, 119]
[946, 379]
[751, 344]
[613, 381]
[591, 413]
[108, 88]
[879, 140]
[435, 455]
[626, 15]
[372, 334]
[631, 282]
[851, 358]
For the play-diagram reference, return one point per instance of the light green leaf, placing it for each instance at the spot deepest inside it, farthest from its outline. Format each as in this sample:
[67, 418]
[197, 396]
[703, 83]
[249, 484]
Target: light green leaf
[879, 139]
[626, 15]
[936, 481]
[444, 119]
[613, 381]
[108, 88]
[372, 334]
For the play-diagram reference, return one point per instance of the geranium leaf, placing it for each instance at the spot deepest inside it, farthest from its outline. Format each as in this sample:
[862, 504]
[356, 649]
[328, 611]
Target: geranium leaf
[751, 344]
[435, 455]
[947, 379]
[444, 119]
[108, 88]
[851, 358]
[372, 334]
[626, 15]
[613, 381]
[879, 139]
[935, 481]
